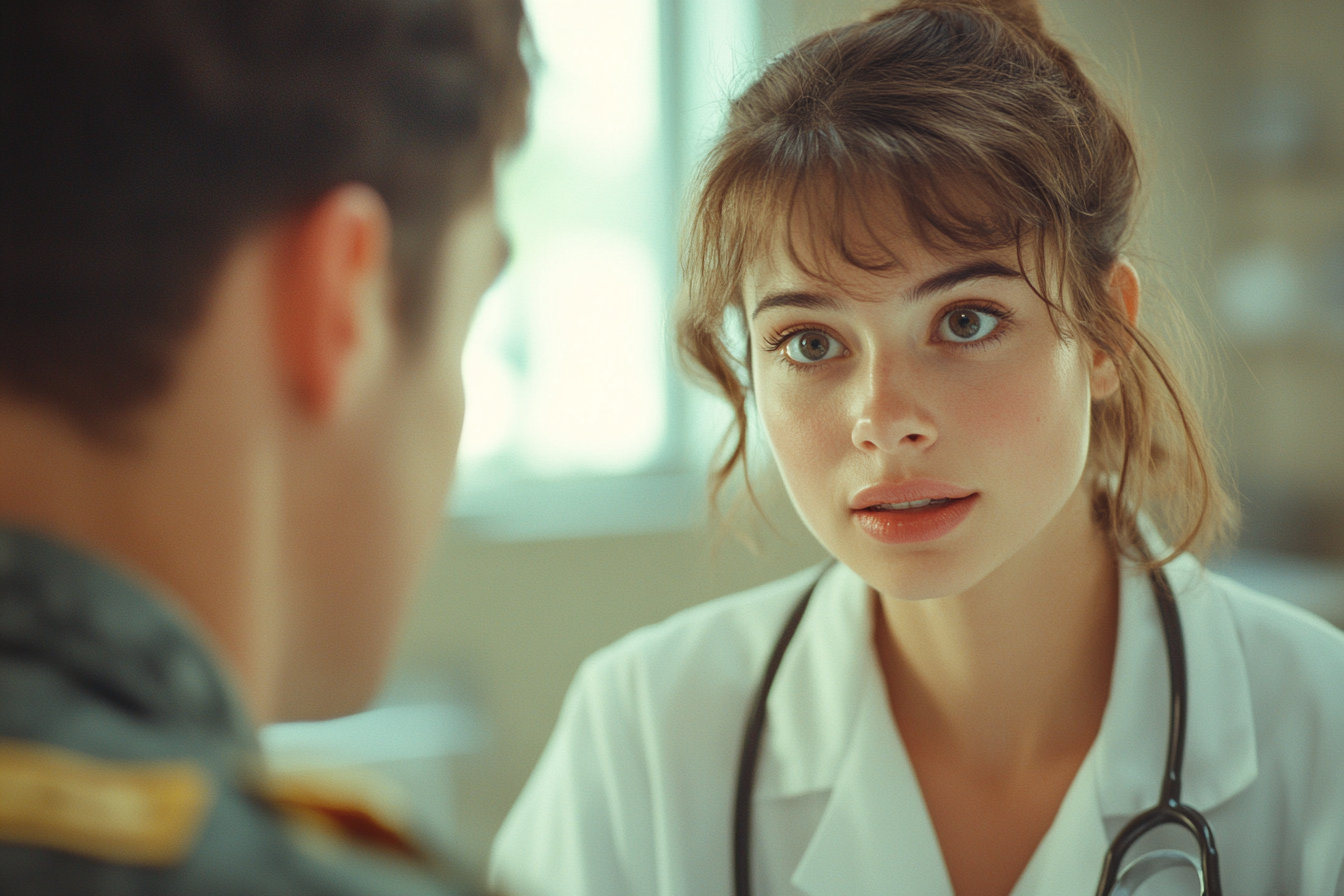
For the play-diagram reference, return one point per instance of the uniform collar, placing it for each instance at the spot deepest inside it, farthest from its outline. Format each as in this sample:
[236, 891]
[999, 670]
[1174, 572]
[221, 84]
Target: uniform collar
[104, 632]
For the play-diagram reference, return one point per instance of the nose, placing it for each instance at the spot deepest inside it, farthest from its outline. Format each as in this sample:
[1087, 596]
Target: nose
[890, 419]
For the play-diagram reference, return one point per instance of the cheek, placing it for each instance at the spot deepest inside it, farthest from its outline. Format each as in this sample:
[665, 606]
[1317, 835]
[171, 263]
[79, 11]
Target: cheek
[437, 428]
[1038, 413]
[442, 401]
[454, 406]
[423, 434]
[808, 430]
[455, 398]
[800, 429]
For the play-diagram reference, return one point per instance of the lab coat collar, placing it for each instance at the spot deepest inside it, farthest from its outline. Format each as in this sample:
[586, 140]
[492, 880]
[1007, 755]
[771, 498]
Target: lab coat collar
[814, 705]
[814, 702]
[830, 729]
[1220, 755]
[875, 835]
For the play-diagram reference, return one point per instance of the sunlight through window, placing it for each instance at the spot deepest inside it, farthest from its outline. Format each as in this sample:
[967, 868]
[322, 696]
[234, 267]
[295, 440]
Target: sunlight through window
[567, 370]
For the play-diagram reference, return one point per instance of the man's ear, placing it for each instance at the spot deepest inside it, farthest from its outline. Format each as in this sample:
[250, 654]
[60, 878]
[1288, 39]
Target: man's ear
[1125, 293]
[332, 264]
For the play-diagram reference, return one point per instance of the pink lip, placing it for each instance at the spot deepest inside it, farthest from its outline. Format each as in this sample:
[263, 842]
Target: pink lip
[904, 492]
[916, 524]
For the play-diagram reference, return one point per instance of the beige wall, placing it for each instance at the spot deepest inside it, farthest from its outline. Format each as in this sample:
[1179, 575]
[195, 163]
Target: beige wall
[513, 621]
[510, 623]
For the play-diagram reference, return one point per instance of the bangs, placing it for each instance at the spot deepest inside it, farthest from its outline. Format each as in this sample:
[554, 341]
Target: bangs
[824, 203]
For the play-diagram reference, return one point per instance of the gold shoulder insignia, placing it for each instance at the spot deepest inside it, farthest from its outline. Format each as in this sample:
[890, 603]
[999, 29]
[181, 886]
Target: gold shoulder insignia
[133, 813]
[360, 809]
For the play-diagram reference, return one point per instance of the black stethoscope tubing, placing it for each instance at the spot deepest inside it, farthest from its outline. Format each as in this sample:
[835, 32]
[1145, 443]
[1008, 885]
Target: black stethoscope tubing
[1169, 808]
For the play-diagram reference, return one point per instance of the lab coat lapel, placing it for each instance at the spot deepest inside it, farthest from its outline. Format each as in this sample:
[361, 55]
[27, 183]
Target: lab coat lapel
[1068, 859]
[829, 732]
[815, 697]
[1220, 756]
[875, 835]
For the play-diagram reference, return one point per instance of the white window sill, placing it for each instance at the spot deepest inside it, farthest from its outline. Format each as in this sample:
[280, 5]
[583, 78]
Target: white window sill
[579, 506]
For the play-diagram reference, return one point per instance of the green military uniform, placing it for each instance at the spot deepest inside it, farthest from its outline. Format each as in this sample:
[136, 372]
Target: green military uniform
[127, 765]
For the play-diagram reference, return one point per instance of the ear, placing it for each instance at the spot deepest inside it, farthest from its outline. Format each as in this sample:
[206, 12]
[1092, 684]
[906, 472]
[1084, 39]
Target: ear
[332, 266]
[1125, 293]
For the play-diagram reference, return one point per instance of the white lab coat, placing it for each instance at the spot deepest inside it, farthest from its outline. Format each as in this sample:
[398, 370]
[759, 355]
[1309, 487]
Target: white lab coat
[634, 793]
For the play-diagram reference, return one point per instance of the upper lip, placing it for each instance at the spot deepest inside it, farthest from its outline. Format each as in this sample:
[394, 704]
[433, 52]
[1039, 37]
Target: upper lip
[906, 491]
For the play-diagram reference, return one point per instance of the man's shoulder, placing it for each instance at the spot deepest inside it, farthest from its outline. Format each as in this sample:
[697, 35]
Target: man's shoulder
[126, 765]
[74, 822]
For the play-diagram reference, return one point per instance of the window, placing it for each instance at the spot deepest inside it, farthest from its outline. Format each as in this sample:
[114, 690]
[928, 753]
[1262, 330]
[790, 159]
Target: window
[576, 421]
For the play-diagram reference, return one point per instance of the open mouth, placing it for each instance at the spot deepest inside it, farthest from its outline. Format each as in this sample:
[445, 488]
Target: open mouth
[914, 505]
[923, 519]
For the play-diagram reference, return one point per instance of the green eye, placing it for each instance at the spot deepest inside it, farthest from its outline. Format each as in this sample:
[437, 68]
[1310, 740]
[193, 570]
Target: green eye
[967, 325]
[811, 346]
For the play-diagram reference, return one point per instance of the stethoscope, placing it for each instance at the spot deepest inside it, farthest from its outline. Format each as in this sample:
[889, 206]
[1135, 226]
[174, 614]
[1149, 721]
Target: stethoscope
[1115, 880]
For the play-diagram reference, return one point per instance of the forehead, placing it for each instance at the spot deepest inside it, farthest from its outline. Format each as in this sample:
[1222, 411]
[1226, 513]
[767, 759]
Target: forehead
[825, 233]
[871, 269]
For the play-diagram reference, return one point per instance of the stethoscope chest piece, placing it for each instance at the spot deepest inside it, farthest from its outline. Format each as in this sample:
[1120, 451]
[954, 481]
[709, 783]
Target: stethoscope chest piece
[1151, 864]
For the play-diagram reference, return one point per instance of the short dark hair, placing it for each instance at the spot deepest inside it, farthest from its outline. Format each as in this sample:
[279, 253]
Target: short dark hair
[142, 137]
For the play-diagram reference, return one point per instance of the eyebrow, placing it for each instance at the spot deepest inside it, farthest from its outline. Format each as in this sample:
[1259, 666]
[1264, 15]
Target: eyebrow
[976, 270]
[794, 300]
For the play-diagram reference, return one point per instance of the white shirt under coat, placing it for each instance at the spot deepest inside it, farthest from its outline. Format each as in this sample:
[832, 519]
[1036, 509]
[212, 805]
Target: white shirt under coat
[634, 793]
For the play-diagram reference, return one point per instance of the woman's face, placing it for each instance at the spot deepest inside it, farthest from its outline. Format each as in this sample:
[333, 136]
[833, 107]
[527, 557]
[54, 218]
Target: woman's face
[929, 422]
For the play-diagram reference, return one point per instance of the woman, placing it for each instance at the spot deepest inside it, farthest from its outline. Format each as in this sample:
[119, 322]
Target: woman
[918, 223]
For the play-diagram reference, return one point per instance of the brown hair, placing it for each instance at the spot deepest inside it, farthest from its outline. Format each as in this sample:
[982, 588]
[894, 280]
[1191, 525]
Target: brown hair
[966, 121]
[142, 137]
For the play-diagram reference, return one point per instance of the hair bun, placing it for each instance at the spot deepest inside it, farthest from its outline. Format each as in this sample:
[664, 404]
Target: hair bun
[1025, 14]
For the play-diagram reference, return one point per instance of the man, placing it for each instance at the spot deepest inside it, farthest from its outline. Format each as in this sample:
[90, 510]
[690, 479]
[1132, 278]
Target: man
[241, 245]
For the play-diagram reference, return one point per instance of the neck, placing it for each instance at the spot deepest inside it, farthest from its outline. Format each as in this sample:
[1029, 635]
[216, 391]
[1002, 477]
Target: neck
[1016, 671]
[182, 511]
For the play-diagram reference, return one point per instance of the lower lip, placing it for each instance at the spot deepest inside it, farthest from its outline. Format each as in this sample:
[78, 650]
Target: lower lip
[919, 524]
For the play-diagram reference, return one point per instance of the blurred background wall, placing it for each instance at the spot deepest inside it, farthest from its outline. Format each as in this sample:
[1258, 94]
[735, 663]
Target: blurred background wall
[1239, 105]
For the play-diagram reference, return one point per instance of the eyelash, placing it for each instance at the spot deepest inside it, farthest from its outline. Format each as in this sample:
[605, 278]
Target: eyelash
[1004, 317]
[776, 342]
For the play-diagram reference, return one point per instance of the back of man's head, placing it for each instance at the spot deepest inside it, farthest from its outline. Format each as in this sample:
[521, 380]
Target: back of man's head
[240, 241]
[141, 137]
[240, 244]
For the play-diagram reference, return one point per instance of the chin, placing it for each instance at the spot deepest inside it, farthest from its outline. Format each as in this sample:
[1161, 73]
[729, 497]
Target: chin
[916, 584]
[916, 575]
[351, 696]
[341, 691]
[335, 662]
